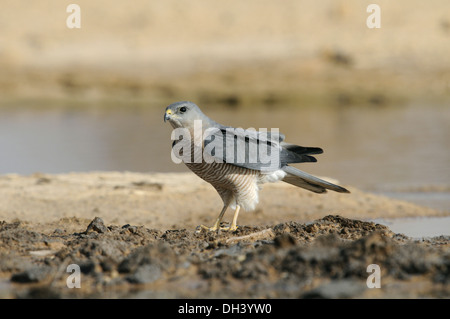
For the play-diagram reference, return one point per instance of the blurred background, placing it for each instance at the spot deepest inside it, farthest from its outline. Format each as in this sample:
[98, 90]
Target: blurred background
[92, 99]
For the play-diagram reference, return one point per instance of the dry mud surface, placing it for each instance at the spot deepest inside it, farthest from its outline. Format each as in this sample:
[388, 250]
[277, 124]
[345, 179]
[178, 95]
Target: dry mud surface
[277, 257]
[324, 259]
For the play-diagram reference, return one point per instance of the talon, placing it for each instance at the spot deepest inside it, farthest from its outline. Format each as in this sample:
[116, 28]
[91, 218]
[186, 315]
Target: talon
[203, 227]
[216, 225]
[215, 228]
[229, 228]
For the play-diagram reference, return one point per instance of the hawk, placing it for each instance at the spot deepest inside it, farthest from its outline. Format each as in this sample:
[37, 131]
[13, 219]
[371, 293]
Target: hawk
[236, 162]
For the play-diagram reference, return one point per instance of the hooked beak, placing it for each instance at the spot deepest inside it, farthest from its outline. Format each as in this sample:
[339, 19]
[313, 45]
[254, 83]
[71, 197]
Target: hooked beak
[167, 115]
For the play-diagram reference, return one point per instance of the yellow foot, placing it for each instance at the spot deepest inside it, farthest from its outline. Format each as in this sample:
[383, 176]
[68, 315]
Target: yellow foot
[215, 227]
[230, 228]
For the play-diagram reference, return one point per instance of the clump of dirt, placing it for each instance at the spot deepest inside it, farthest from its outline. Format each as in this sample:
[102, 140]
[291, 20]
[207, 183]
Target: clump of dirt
[327, 258]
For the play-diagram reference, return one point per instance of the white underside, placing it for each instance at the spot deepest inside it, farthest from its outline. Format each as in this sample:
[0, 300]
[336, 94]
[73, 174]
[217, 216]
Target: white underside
[273, 177]
[250, 203]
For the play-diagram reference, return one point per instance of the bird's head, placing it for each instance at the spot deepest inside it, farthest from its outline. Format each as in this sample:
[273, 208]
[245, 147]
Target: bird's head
[183, 114]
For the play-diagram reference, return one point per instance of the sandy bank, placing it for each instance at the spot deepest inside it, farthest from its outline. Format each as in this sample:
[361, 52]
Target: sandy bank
[175, 200]
[250, 52]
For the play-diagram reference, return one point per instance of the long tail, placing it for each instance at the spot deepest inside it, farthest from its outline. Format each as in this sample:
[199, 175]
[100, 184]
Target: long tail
[301, 179]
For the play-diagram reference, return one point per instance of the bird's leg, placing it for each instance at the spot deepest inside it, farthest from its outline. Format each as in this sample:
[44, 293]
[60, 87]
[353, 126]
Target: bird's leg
[233, 226]
[217, 223]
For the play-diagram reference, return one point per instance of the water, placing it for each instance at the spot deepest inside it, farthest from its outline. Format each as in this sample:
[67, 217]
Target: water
[400, 151]
[418, 227]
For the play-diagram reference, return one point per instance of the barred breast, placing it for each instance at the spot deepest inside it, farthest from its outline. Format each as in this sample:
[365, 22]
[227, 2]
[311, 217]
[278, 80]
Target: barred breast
[235, 185]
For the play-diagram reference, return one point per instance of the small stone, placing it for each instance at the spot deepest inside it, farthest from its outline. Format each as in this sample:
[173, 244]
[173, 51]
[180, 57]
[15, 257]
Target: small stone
[97, 225]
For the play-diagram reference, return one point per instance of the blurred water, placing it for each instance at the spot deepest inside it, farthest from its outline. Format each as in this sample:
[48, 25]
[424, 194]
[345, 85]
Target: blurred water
[418, 227]
[393, 150]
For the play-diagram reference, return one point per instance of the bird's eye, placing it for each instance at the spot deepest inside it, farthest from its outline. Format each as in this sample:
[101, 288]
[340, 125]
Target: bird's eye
[182, 109]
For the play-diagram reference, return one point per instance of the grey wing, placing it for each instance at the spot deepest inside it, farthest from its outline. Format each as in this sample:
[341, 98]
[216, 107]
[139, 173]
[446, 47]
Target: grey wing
[257, 150]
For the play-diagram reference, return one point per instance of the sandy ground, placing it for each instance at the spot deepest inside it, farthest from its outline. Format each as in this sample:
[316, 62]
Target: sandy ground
[243, 53]
[134, 235]
[175, 200]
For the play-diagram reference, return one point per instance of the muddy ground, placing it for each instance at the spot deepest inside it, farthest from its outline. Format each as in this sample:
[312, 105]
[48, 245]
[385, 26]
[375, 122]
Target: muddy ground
[327, 258]
[134, 235]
